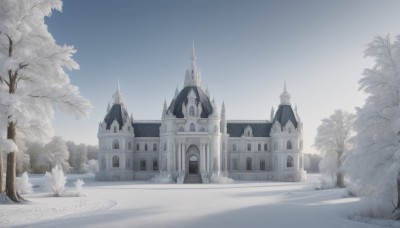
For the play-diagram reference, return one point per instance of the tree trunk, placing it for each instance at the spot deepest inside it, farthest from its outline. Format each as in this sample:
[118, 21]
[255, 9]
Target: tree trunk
[11, 190]
[339, 174]
[398, 191]
[1, 172]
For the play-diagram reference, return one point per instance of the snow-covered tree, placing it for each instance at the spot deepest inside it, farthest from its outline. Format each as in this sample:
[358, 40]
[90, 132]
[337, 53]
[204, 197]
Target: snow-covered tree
[33, 83]
[374, 164]
[55, 153]
[333, 140]
[55, 180]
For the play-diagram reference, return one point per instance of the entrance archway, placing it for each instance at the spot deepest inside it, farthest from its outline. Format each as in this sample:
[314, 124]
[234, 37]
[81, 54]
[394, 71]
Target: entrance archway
[192, 160]
[193, 164]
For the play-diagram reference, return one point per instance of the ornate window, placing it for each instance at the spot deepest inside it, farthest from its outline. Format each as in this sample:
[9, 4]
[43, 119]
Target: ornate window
[191, 111]
[137, 147]
[129, 128]
[290, 130]
[143, 165]
[154, 147]
[248, 163]
[129, 146]
[115, 161]
[289, 145]
[259, 147]
[192, 127]
[115, 144]
[115, 129]
[262, 165]
[155, 164]
[289, 161]
[128, 162]
[234, 147]
[265, 147]
[145, 147]
[248, 146]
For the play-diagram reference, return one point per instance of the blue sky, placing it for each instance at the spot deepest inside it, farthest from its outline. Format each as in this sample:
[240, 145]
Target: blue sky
[245, 50]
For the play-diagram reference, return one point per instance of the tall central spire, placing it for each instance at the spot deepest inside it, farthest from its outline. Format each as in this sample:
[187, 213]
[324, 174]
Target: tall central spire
[118, 99]
[192, 76]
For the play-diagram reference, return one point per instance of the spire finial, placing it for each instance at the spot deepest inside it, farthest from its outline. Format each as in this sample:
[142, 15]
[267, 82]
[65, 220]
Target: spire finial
[285, 96]
[193, 58]
[192, 77]
[118, 88]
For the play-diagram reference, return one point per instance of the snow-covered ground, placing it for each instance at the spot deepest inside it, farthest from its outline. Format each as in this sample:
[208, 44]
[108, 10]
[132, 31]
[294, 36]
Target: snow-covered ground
[141, 204]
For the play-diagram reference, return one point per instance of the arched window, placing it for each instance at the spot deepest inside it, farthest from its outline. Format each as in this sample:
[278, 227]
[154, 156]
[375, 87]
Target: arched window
[289, 145]
[248, 147]
[248, 133]
[192, 127]
[262, 165]
[129, 128]
[103, 163]
[129, 146]
[259, 147]
[154, 147]
[289, 161]
[290, 130]
[234, 147]
[128, 162]
[155, 164]
[145, 147]
[165, 146]
[248, 163]
[275, 146]
[115, 129]
[143, 165]
[137, 147]
[265, 147]
[191, 111]
[115, 161]
[115, 144]
[235, 164]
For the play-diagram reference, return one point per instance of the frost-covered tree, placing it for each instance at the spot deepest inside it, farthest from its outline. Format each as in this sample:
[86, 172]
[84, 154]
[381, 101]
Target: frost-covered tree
[333, 140]
[374, 164]
[55, 153]
[55, 180]
[24, 185]
[33, 82]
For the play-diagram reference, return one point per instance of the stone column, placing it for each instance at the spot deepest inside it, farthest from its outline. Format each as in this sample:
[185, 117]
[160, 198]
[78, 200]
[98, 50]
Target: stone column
[179, 157]
[183, 156]
[202, 158]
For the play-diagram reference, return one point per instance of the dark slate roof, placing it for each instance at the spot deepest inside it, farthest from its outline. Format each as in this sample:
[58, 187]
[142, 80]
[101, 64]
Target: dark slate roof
[146, 129]
[176, 105]
[258, 129]
[284, 114]
[116, 113]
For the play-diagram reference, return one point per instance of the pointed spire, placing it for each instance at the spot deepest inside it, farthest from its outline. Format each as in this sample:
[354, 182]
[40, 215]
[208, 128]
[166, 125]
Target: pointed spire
[118, 99]
[165, 105]
[272, 113]
[207, 92]
[108, 107]
[192, 77]
[223, 110]
[131, 118]
[285, 96]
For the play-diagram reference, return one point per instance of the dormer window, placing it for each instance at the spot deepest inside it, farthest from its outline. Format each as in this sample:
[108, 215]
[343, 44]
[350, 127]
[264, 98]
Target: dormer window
[191, 111]
[192, 127]
[115, 129]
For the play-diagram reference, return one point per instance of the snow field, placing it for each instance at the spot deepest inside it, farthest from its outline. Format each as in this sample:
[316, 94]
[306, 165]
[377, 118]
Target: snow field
[141, 204]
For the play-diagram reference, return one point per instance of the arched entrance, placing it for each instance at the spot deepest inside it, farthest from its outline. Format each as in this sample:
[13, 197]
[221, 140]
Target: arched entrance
[193, 164]
[192, 161]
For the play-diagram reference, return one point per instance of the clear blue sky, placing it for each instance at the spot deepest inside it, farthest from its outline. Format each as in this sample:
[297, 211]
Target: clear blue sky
[245, 50]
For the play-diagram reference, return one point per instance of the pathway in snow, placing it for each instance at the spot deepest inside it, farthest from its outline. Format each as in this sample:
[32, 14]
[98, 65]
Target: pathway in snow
[139, 204]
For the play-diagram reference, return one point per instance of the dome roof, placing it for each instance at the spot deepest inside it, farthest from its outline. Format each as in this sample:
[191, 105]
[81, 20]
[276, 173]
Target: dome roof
[176, 105]
[117, 112]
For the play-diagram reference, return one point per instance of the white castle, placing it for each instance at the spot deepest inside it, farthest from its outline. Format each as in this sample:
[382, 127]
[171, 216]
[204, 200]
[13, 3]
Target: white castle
[193, 140]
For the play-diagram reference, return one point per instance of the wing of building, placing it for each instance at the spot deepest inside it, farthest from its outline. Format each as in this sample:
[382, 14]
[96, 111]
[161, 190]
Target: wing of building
[193, 140]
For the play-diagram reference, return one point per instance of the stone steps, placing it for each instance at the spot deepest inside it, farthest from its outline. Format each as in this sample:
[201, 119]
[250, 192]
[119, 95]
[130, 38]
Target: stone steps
[192, 179]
